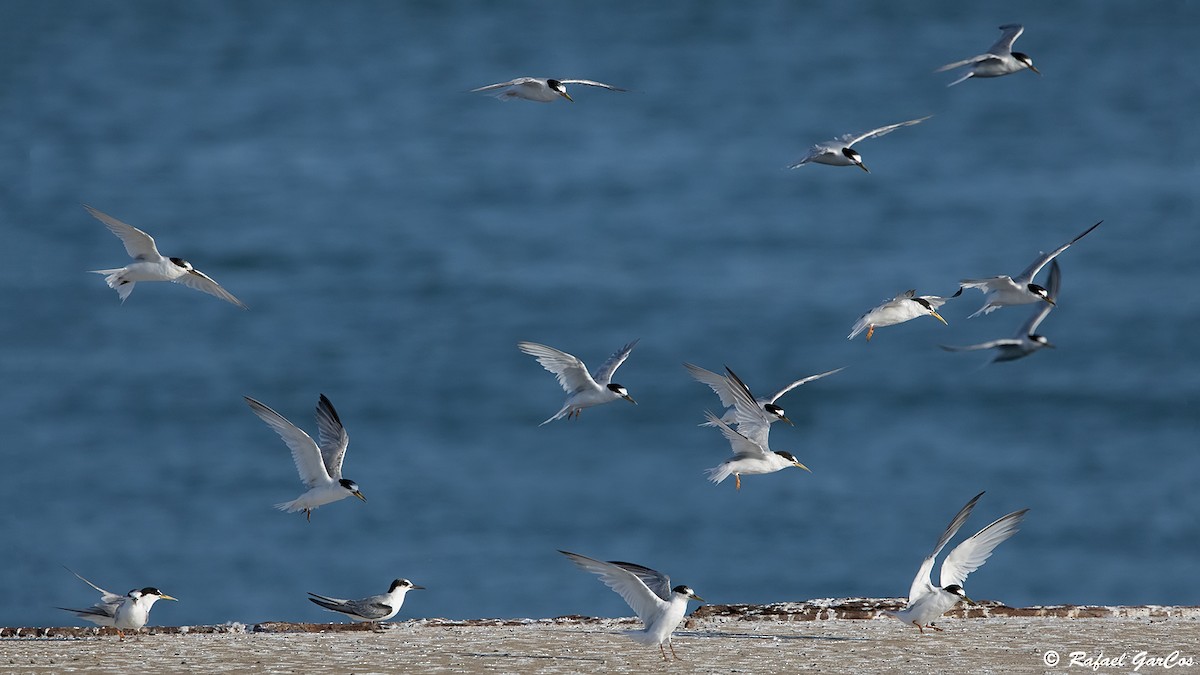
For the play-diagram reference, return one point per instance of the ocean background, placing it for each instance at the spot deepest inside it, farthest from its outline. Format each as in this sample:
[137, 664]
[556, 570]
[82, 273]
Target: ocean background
[395, 237]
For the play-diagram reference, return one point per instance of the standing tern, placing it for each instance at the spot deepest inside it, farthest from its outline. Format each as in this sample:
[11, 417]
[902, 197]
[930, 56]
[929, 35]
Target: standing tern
[541, 89]
[1025, 342]
[904, 307]
[648, 593]
[752, 452]
[373, 609]
[724, 389]
[927, 602]
[1005, 290]
[150, 265]
[838, 151]
[584, 390]
[123, 612]
[999, 60]
[320, 467]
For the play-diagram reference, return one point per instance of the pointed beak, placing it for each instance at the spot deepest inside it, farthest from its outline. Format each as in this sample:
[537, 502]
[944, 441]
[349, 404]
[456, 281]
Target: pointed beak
[566, 96]
[696, 597]
[1051, 301]
[416, 588]
[969, 601]
[863, 167]
[798, 465]
[1034, 69]
[164, 596]
[359, 494]
[785, 419]
[629, 398]
[1051, 345]
[937, 316]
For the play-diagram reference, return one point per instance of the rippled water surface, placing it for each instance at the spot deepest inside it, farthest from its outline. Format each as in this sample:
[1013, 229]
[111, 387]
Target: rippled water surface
[395, 237]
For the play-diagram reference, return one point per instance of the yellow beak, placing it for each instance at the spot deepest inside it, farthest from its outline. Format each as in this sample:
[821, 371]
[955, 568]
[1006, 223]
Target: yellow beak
[863, 167]
[1051, 301]
[937, 316]
[359, 494]
[566, 96]
[629, 398]
[164, 596]
[785, 419]
[1031, 67]
[801, 466]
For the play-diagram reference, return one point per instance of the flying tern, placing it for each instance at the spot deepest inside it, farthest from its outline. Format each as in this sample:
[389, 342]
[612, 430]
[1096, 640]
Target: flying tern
[999, 60]
[1020, 290]
[1026, 341]
[123, 612]
[927, 602]
[372, 609]
[752, 452]
[541, 89]
[660, 606]
[320, 467]
[150, 265]
[724, 389]
[839, 151]
[904, 307]
[584, 389]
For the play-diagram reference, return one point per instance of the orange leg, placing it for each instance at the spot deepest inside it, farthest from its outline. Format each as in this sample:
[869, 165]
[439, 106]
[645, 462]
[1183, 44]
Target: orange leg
[672, 646]
[663, 652]
[870, 332]
[738, 478]
[919, 627]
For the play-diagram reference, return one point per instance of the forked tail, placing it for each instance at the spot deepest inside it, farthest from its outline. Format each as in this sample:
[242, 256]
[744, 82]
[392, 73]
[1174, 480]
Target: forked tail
[123, 287]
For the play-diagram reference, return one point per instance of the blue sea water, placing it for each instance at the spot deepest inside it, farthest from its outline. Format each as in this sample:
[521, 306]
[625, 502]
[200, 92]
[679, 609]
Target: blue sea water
[395, 237]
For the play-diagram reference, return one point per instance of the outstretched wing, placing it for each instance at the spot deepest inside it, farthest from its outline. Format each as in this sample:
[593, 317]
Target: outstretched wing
[972, 553]
[657, 582]
[334, 438]
[742, 446]
[604, 373]
[644, 602]
[197, 280]
[1030, 272]
[1003, 46]
[593, 83]
[881, 131]
[921, 583]
[991, 344]
[570, 371]
[501, 85]
[138, 244]
[801, 381]
[305, 452]
[105, 596]
[717, 383]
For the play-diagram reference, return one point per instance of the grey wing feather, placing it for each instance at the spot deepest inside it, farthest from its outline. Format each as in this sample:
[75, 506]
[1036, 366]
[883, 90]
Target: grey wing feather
[882, 131]
[572, 374]
[305, 453]
[138, 244]
[334, 438]
[742, 446]
[604, 373]
[593, 83]
[753, 422]
[1032, 271]
[105, 596]
[656, 581]
[922, 580]
[972, 553]
[965, 62]
[500, 85]
[801, 381]
[1003, 46]
[197, 280]
[717, 383]
[991, 344]
[643, 601]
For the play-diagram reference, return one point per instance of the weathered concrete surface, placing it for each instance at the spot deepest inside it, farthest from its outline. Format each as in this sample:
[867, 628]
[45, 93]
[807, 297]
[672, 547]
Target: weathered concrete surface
[839, 636]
